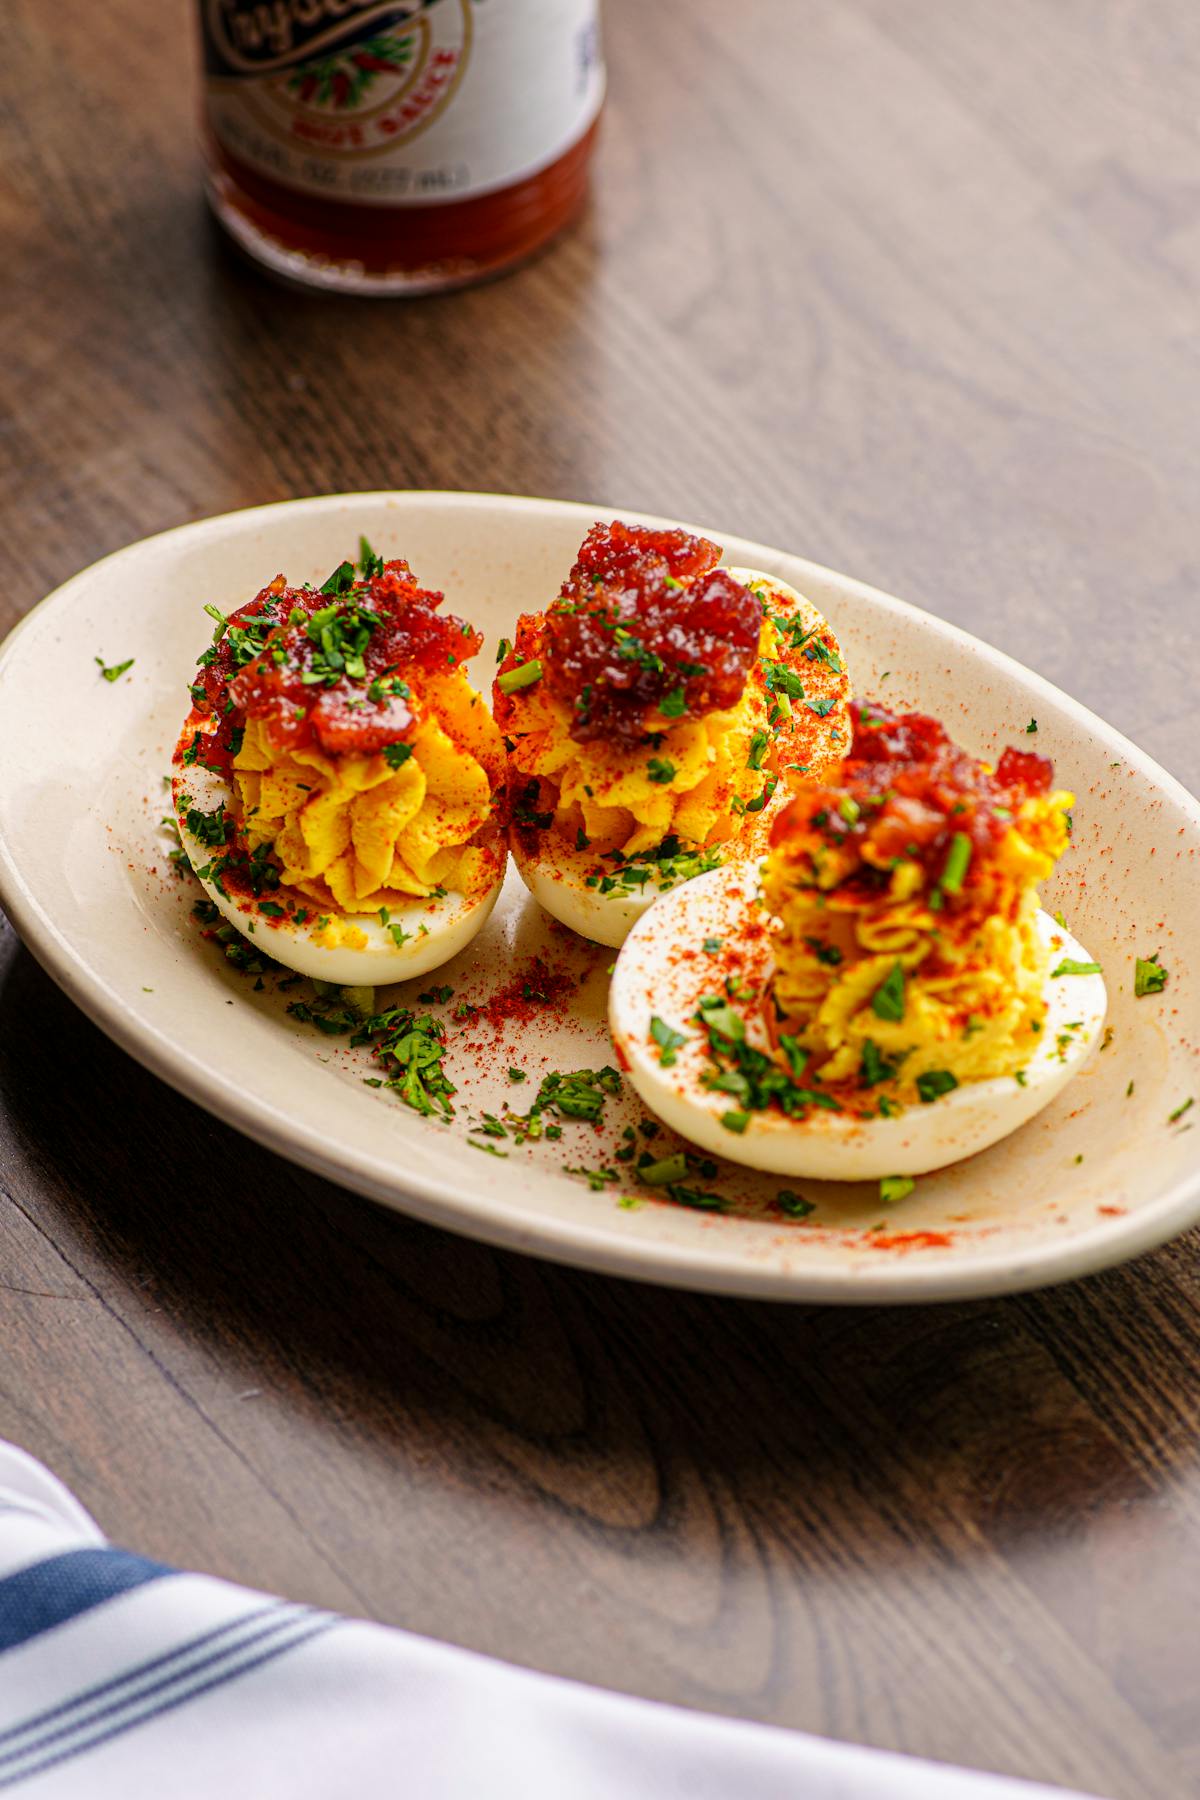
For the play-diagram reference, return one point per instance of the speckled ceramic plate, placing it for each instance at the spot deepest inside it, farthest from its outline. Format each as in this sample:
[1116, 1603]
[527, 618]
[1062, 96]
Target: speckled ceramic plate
[1100, 1176]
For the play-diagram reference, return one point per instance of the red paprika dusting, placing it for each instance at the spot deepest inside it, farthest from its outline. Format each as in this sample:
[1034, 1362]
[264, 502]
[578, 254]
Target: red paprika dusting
[536, 992]
[910, 1240]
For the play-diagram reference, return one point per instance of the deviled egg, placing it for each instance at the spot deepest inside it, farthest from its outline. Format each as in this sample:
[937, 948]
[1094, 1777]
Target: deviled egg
[883, 996]
[656, 716]
[337, 783]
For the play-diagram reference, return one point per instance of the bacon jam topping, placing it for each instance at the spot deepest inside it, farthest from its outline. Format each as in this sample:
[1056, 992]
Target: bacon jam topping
[646, 629]
[906, 793]
[330, 669]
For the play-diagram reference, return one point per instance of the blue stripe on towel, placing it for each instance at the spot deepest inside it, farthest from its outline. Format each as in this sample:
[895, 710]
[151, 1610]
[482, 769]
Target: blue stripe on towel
[50, 1592]
[314, 1626]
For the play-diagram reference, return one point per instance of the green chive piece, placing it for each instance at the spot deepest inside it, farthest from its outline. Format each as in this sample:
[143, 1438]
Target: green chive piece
[958, 860]
[523, 676]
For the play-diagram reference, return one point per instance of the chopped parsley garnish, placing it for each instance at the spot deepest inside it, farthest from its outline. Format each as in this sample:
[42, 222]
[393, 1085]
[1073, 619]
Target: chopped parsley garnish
[597, 1179]
[340, 582]
[673, 705]
[517, 1075]
[670, 862]
[735, 1121]
[630, 648]
[760, 800]
[1070, 966]
[667, 1039]
[340, 634]
[934, 1083]
[671, 1174]
[523, 676]
[895, 1187]
[208, 828]
[1180, 1110]
[368, 563]
[661, 769]
[410, 1047]
[713, 945]
[750, 1077]
[758, 746]
[437, 996]
[395, 755]
[887, 1002]
[822, 708]
[579, 1094]
[875, 1067]
[328, 1013]
[1032, 726]
[114, 671]
[1149, 976]
[792, 1205]
[525, 810]
[820, 652]
[779, 679]
[829, 954]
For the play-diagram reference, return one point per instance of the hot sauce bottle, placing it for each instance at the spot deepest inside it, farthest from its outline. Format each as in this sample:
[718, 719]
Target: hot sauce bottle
[383, 147]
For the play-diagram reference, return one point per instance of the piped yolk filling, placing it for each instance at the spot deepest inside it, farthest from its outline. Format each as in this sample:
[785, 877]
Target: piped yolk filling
[355, 833]
[973, 970]
[703, 780]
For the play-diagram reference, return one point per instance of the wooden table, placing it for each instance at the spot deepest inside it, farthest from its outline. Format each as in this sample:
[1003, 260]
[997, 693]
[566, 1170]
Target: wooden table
[910, 289]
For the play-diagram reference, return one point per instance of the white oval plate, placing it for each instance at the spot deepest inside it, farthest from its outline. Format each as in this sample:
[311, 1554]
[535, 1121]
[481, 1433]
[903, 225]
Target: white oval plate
[1100, 1176]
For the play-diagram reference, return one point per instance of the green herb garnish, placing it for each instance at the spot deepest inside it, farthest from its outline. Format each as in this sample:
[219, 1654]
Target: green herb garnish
[523, 676]
[887, 1002]
[668, 1040]
[958, 859]
[934, 1083]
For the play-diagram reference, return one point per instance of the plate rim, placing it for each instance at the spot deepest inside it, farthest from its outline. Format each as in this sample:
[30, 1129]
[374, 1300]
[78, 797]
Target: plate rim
[581, 1243]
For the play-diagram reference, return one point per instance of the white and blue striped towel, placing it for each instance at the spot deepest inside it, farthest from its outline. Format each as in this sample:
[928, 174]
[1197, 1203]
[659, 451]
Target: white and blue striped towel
[120, 1677]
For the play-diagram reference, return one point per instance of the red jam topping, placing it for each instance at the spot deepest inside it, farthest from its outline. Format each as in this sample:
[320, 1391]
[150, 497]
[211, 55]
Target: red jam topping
[646, 628]
[331, 668]
[906, 791]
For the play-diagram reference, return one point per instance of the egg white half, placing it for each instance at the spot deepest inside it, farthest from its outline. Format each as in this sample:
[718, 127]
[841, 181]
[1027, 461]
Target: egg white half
[434, 930]
[557, 874]
[664, 971]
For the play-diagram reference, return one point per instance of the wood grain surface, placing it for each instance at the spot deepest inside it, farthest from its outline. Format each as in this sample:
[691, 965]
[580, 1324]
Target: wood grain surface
[911, 289]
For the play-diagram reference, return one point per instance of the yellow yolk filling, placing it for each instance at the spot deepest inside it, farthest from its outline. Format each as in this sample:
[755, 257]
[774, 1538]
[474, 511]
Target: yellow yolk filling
[355, 834]
[974, 974]
[607, 789]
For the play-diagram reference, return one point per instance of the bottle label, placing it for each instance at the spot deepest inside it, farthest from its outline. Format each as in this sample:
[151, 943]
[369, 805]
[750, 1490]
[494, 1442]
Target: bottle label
[400, 104]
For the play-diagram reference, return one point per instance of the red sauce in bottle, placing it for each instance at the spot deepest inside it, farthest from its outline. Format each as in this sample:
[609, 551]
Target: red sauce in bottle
[398, 147]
